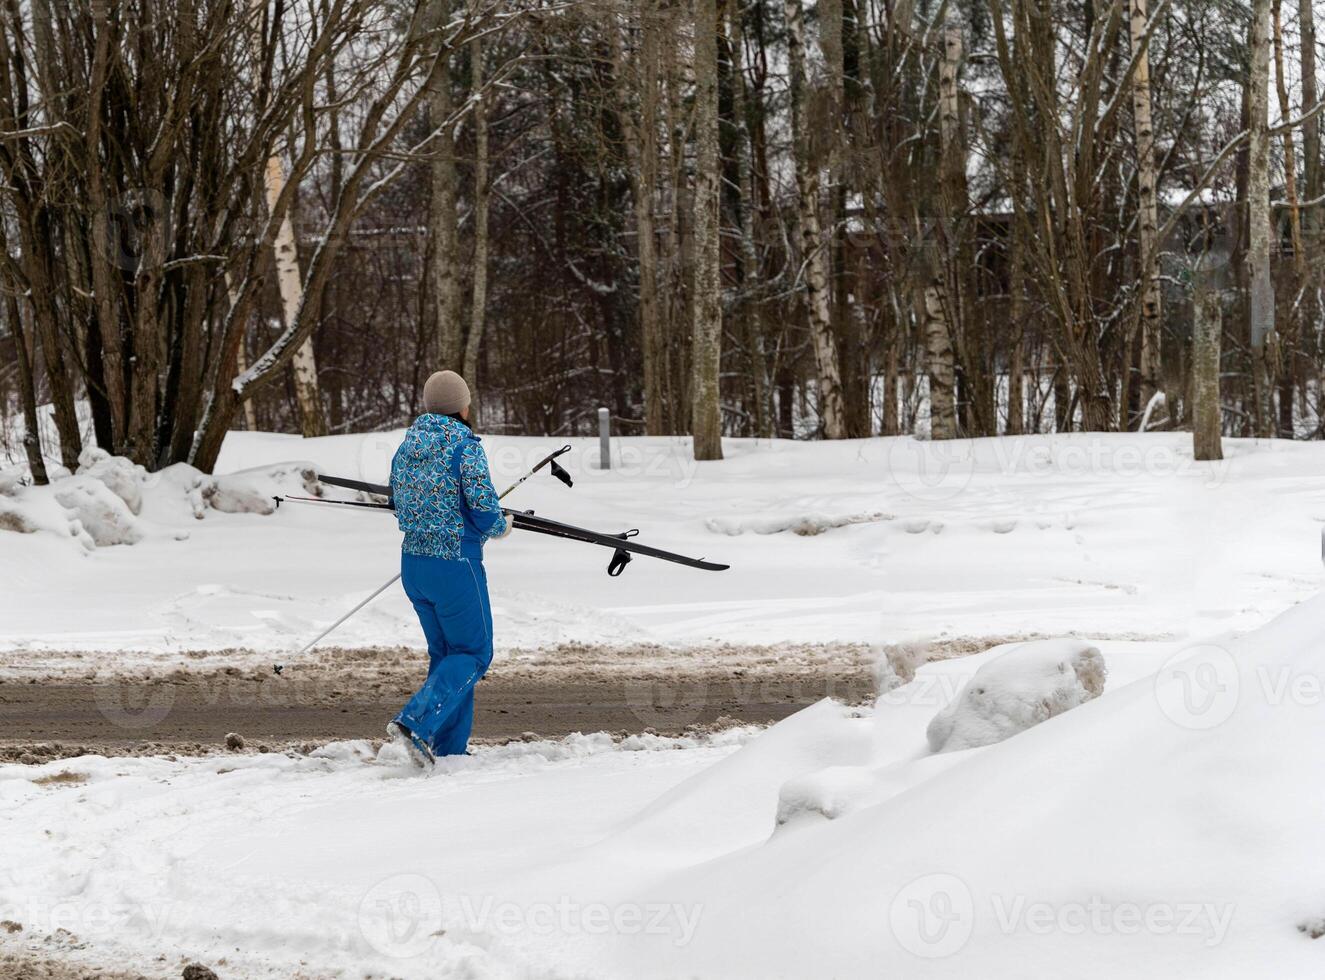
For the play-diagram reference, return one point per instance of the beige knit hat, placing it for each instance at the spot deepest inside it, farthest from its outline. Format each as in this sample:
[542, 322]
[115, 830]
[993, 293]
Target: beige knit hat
[445, 393]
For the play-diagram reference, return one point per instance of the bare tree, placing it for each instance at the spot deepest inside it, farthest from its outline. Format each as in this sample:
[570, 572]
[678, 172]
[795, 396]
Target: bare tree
[1207, 336]
[479, 294]
[706, 418]
[443, 223]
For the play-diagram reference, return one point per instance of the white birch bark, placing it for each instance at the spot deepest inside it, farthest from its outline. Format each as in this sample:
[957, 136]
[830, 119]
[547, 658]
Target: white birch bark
[290, 282]
[1148, 217]
[814, 254]
[1261, 298]
[303, 365]
[938, 351]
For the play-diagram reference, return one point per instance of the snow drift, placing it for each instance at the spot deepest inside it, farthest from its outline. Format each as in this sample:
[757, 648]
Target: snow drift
[1029, 684]
[1126, 837]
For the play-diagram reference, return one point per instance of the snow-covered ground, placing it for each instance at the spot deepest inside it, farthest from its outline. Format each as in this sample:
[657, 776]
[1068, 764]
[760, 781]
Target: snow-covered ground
[1099, 535]
[1166, 827]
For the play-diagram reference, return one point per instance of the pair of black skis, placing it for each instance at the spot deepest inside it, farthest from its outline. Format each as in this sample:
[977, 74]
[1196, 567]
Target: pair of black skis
[622, 545]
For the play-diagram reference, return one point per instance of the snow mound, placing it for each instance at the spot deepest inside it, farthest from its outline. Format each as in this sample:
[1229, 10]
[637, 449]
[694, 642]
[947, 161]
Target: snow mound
[11, 480]
[178, 490]
[122, 476]
[253, 491]
[823, 795]
[1031, 683]
[806, 525]
[101, 512]
[14, 518]
[111, 500]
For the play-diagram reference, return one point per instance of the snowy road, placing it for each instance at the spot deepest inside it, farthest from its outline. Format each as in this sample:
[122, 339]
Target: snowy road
[350, 694]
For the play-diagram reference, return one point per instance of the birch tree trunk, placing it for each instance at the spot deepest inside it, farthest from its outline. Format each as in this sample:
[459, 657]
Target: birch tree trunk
[285, 251]
[479, 297]
[814, 257]
[706, 417]
[1148, 217]
[1261, 293]
[750, 324]
[943, 304]
[938, 353]
[1288, 337]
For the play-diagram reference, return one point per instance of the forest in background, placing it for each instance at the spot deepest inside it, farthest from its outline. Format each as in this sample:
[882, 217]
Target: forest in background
[715, 217]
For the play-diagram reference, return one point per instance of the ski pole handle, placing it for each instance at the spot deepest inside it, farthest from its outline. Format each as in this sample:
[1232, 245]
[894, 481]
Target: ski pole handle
[557, 471]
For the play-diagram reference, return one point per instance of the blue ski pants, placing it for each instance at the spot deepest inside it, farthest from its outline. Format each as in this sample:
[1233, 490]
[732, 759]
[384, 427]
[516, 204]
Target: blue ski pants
[451, 599]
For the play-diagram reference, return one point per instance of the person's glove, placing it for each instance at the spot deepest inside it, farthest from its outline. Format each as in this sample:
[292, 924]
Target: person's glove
[510, 526]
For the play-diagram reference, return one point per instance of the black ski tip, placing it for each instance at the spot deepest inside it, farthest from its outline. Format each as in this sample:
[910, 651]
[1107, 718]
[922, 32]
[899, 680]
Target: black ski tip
[277, 668]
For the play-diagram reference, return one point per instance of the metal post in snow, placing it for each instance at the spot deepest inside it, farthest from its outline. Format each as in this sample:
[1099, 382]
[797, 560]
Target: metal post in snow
[604, 439]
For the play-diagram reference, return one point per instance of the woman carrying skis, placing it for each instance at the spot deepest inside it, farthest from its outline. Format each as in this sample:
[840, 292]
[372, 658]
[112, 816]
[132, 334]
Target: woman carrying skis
[447, 507]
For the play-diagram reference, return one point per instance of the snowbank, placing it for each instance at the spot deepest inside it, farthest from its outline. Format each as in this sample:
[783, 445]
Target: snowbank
[122, 477]
[100, 512]
[1028, 684]
[1168, 828]
[100, 505]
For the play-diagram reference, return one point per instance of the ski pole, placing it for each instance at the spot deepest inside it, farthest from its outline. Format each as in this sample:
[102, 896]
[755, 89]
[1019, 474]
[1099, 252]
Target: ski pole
[557, 471]
[313, 642]
[549, 459]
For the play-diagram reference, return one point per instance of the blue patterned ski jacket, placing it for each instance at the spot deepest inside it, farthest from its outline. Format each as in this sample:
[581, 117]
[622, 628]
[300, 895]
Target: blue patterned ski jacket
[445, 501]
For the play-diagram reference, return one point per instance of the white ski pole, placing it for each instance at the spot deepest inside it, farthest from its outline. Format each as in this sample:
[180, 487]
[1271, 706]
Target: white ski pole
[557, 471]
[313, 642]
